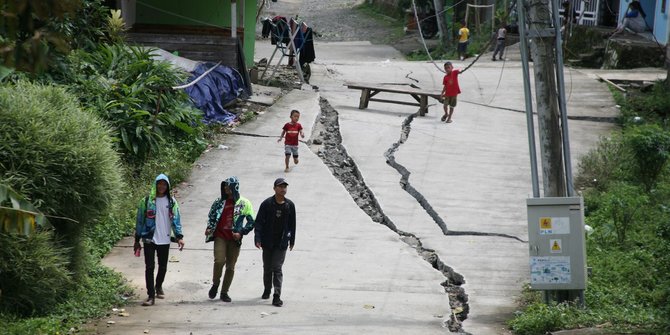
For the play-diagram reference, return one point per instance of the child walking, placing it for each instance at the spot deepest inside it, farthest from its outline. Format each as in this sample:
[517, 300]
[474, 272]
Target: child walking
[290, 131]
[450, 91]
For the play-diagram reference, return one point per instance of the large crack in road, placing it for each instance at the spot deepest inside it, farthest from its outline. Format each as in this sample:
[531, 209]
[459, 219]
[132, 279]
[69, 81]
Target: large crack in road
[407, 186]
[326, 142]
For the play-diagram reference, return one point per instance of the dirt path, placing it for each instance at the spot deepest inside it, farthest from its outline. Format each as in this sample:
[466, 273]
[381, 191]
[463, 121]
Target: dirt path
[340, 20]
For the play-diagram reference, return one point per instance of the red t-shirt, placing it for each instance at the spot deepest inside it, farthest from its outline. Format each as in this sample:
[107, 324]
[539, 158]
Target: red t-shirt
[450, 83]
[224, 228]
[292, 133]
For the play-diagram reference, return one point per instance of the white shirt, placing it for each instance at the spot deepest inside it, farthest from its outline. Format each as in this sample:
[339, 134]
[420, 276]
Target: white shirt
[162, 231]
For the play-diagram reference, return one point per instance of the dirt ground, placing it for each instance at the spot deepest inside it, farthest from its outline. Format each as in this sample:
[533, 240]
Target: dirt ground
[339, 20]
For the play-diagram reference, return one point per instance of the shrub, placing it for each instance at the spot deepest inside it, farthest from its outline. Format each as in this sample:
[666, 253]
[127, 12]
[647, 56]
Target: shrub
[91, 299]
[609, 161]
[654, 105]
[650, 146]
[59, 157]
[616, 212]
[33, 273]
[126, 88]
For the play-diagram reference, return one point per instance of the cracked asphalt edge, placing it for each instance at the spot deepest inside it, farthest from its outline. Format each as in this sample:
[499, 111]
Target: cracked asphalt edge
[326, 143]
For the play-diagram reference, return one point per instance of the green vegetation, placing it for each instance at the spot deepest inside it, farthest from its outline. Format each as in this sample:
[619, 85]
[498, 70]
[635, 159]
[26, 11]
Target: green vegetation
[84, 130]
[395, 23]
[626, 185]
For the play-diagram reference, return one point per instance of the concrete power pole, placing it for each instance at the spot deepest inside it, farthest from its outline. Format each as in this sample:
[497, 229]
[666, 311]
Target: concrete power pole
[544, 60]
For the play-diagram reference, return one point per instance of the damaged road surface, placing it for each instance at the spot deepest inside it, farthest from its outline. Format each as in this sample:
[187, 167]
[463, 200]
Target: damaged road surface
[398, 231]
[457, 189]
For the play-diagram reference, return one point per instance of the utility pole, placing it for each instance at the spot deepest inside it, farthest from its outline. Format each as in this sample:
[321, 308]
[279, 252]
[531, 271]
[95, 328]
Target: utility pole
[542, 49]
[546, 48]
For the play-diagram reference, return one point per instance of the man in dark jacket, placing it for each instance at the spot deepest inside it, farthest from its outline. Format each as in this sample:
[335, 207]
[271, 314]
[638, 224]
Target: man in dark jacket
[274, 233]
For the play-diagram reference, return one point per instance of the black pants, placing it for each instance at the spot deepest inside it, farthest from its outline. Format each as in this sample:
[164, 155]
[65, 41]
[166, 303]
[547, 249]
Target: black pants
[150, 252]
[273, 260]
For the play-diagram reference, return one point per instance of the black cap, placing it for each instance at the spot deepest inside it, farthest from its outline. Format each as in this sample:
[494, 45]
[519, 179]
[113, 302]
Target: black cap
[280, 181]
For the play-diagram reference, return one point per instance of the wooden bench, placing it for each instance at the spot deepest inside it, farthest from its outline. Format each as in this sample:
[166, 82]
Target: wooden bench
[368, 91]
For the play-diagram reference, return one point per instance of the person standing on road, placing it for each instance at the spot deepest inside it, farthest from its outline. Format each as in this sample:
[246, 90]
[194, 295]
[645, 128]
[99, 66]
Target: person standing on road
[274, 233]
[290, 131]
[157, 218]
[500, 42]
[463, 40]
[225, 227]
[449, 91]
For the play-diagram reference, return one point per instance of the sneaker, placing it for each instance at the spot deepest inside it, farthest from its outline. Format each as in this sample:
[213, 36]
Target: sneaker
[225, 297]
[276, 301]
[212, 291]
[149, 302]
[159, 293]
[266, 294]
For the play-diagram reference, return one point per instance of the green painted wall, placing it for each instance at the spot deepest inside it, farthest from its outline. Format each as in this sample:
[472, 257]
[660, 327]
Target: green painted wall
[200, 13]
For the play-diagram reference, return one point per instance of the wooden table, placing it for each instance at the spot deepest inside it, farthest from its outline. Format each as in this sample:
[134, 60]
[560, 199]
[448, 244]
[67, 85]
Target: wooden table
[368, 91]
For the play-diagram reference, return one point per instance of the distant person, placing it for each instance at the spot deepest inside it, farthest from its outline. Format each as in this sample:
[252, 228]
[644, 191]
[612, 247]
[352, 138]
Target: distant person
[274, 233]
[633, 19]
[291, 131]
[157, 217]
[500, 42]
[450, 91]
[463, 40]
[225, 226]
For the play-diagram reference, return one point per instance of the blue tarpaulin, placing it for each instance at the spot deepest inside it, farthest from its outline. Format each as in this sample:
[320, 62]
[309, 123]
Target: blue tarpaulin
[218, 88]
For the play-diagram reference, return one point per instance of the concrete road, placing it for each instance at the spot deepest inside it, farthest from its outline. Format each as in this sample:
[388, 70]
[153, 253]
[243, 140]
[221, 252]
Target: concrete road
[348, 274]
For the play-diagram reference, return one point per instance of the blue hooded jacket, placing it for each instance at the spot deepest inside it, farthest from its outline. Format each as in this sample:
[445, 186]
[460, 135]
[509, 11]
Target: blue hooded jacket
[146, 214]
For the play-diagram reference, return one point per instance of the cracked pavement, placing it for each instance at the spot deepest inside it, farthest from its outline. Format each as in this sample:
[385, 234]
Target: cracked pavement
[348, 273]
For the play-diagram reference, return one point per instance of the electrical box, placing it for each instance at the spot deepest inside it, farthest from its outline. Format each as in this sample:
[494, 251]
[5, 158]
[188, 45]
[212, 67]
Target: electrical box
[556, 243]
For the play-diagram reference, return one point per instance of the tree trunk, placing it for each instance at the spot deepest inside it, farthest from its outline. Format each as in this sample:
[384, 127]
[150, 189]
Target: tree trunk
[441, 25]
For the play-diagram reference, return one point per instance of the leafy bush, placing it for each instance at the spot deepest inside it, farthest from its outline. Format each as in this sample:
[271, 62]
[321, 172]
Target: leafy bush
[539, 318]
[650, 145]
[616, 213]
[33, 273]
[608, 162]
[91, 299]
[125, 87]
[651, 106]
[59, 157]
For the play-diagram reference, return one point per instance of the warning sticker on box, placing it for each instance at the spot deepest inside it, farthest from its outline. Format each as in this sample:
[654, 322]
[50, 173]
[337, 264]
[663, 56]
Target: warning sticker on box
[554, 225]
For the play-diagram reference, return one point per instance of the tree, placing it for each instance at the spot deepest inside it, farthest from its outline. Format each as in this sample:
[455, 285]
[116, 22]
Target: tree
[27, 43]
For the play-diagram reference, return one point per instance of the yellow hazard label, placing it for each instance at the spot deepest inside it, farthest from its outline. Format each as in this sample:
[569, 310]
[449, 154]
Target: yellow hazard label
[556, 247]
[545, 223]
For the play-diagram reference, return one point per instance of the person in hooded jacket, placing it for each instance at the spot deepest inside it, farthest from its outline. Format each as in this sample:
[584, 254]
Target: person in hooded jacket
[225, 226]
[158, 219]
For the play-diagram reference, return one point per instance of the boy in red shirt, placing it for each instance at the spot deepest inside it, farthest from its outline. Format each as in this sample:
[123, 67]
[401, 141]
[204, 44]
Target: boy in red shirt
[450, 90]
[291, 130]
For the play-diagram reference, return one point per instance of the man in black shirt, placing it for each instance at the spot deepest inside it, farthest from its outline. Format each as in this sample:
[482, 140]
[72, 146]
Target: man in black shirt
[274, 233]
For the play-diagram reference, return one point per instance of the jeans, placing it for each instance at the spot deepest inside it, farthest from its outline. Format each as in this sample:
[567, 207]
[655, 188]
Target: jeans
[150, 252]
[500, 47]
[273, 260]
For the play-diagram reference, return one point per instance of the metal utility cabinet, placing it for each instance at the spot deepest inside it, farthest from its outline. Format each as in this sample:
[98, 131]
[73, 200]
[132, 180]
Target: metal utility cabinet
[557, 244]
